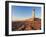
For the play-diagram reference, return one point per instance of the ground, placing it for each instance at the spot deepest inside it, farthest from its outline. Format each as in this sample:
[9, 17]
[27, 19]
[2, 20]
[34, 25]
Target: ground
[26, 25]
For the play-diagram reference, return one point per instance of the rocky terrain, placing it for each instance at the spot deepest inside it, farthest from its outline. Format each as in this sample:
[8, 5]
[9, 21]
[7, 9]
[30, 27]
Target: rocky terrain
[26, 25]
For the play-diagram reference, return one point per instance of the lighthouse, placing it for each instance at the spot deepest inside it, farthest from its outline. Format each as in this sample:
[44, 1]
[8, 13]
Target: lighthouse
[33, 14]
[33, 17]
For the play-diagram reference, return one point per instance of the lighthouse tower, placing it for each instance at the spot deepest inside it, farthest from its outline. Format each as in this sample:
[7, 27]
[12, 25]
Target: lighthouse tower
[33, 14]
[33, 17]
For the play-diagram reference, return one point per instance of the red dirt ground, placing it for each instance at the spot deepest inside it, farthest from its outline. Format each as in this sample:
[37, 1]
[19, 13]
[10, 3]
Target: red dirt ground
[26, 25]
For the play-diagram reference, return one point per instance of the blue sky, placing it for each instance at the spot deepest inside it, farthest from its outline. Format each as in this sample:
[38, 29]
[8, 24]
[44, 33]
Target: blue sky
[25, 11]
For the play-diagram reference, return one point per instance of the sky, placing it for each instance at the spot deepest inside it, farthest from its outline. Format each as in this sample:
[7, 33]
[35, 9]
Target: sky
[21, 12]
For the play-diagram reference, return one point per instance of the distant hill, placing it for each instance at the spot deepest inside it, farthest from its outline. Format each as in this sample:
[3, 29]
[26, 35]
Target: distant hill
[26, 24]
[30, 19]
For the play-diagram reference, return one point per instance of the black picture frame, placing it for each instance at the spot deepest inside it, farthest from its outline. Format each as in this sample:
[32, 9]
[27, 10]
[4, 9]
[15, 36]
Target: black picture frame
[7, 18]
